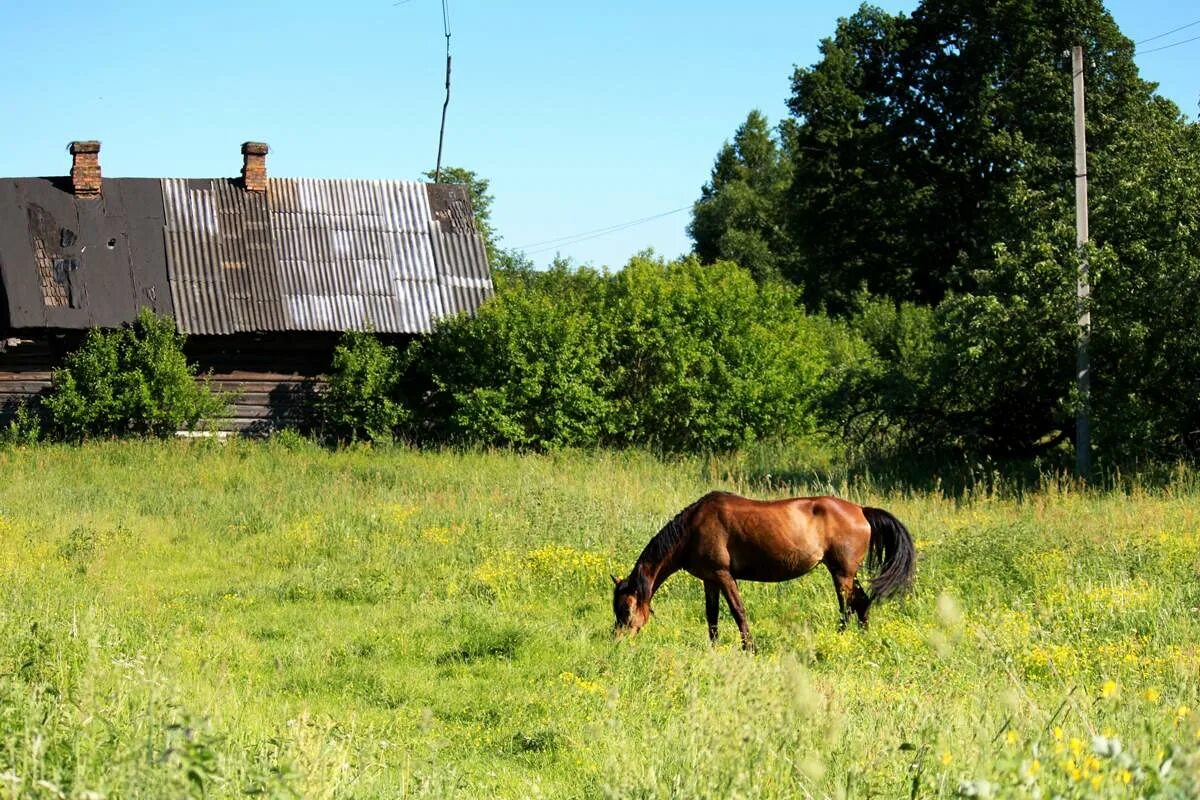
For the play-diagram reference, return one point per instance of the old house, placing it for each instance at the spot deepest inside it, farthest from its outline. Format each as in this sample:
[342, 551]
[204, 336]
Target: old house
[261, 273]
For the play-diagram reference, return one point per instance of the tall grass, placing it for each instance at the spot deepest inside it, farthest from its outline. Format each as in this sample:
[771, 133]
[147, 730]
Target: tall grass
[226, 620]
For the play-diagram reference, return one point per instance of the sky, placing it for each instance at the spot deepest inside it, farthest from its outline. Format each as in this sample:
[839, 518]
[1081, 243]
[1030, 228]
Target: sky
[583, 116]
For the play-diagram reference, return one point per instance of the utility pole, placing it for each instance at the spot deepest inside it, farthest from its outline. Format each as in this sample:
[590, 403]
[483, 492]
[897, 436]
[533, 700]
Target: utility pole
[1083, 289]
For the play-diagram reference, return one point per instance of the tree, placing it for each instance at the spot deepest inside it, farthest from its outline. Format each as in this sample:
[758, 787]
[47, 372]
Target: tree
[738, 216]
[932, 163]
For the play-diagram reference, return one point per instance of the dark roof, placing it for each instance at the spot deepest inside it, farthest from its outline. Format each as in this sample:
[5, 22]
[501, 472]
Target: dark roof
[306, 255]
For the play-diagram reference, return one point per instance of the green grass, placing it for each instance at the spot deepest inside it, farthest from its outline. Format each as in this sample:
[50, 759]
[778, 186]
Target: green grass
[196, 619]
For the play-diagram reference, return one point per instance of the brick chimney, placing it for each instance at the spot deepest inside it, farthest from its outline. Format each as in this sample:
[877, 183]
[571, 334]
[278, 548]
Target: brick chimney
[254, 166]
[85, 168]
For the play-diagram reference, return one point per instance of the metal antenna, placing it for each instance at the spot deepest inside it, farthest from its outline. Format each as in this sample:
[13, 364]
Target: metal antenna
[437, 173]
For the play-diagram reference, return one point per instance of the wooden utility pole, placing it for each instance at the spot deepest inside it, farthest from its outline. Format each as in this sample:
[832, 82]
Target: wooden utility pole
[1083, 289]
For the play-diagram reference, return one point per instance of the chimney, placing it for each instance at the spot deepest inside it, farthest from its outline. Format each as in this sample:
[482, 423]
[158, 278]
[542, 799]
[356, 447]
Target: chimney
[85, 168]
[254, 166]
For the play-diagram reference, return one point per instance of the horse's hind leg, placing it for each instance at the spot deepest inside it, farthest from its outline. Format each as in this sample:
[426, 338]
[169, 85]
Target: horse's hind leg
[843, 587]
[851, 597]
[712, 607]
[734, 599]
[860, 602]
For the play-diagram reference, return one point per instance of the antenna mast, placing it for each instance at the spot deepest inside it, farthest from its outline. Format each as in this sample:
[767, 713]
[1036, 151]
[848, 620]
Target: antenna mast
[437, 173]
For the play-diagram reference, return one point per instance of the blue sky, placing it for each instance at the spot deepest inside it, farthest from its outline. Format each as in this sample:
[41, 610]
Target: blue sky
[582, 115]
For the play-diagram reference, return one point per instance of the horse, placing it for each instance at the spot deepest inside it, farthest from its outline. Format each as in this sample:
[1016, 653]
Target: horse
[723, 537]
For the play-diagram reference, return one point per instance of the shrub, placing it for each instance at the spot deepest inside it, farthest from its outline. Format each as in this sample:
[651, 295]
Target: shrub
[135, 380]
[359, 401]
[674, 355]
[705, 358]
[25, 427]
[528, 370]
[980, 375]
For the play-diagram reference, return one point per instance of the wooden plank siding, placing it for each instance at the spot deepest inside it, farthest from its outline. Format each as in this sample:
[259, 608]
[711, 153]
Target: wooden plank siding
[271, 379]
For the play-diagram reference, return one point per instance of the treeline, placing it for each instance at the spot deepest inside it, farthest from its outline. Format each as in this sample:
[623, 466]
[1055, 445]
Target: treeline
[893, 265]
[923, 190]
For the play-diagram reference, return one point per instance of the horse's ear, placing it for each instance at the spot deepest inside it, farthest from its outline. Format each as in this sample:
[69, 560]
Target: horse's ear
[616, 581]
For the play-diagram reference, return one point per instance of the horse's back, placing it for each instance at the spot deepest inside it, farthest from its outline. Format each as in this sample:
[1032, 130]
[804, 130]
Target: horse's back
[772, 540]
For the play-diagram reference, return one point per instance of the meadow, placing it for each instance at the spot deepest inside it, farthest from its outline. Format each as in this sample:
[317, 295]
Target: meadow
[198, 619]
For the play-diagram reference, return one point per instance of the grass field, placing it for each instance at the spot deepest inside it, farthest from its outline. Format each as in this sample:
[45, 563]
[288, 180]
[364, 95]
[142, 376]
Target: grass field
[196, 619]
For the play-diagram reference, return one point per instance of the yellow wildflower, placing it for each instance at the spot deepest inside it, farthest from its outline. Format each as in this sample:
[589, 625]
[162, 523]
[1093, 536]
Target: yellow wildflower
[1150, 695]
[1076, 746]
[1011, 736]
[1182, 712]
[437, 534]
[1109, 688]
[1058, 733]
[946, 758]
[1126, 776]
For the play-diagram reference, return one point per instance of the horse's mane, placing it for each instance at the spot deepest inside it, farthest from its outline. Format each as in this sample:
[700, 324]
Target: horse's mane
[664, 544]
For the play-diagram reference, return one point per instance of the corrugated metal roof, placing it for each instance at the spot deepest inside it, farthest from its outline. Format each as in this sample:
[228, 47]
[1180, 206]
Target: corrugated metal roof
[318, 255]
[306, 255]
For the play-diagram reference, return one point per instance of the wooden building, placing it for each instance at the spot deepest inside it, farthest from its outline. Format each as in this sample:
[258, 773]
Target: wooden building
[262, 274]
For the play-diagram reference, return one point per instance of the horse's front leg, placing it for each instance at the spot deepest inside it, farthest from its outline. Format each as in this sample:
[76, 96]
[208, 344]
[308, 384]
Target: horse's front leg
[712, 606]
[734, 599]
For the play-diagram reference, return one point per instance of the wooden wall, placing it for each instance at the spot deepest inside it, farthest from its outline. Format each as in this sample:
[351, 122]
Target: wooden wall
[24, 372]
[273, 376]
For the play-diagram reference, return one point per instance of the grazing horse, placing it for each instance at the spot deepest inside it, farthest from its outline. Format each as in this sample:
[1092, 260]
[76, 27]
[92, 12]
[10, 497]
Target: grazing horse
[722, 537]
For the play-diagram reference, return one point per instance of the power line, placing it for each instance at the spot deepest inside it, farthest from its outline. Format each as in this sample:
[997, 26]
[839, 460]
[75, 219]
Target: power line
[1168, 33]
[1167, 46]
[564, 241]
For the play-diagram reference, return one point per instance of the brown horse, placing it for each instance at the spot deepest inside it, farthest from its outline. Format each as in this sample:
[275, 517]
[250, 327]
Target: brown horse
[722, 537]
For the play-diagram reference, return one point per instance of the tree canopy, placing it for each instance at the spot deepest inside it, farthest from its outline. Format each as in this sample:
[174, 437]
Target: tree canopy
[929, 161]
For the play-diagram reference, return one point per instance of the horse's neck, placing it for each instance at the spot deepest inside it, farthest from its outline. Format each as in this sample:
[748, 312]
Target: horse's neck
[655, 572]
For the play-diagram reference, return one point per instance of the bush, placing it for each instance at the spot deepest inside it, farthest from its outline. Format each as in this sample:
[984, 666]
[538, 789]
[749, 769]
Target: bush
[674, 355]
[985, 374]
[359, 401]
[707, 359]
[25, 427]
[528, 370]
[132, 381]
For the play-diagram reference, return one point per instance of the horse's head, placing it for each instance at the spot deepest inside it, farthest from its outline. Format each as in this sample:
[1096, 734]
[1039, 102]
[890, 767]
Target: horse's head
[631, 611]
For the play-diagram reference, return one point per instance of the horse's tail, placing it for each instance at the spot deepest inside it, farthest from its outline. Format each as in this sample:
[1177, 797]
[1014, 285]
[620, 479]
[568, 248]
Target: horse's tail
[890, 555]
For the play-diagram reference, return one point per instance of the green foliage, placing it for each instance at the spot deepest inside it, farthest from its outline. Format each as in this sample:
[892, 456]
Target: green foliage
[360, 397]
[1146, 291]
[25, 427]
[914, 133]
[737, 217]
[528, 369]
[930, 162]
[674, 355]
[706, 359]
[132, 381]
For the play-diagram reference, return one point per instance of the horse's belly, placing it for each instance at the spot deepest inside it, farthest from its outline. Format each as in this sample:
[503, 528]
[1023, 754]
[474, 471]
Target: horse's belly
[772, 567]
